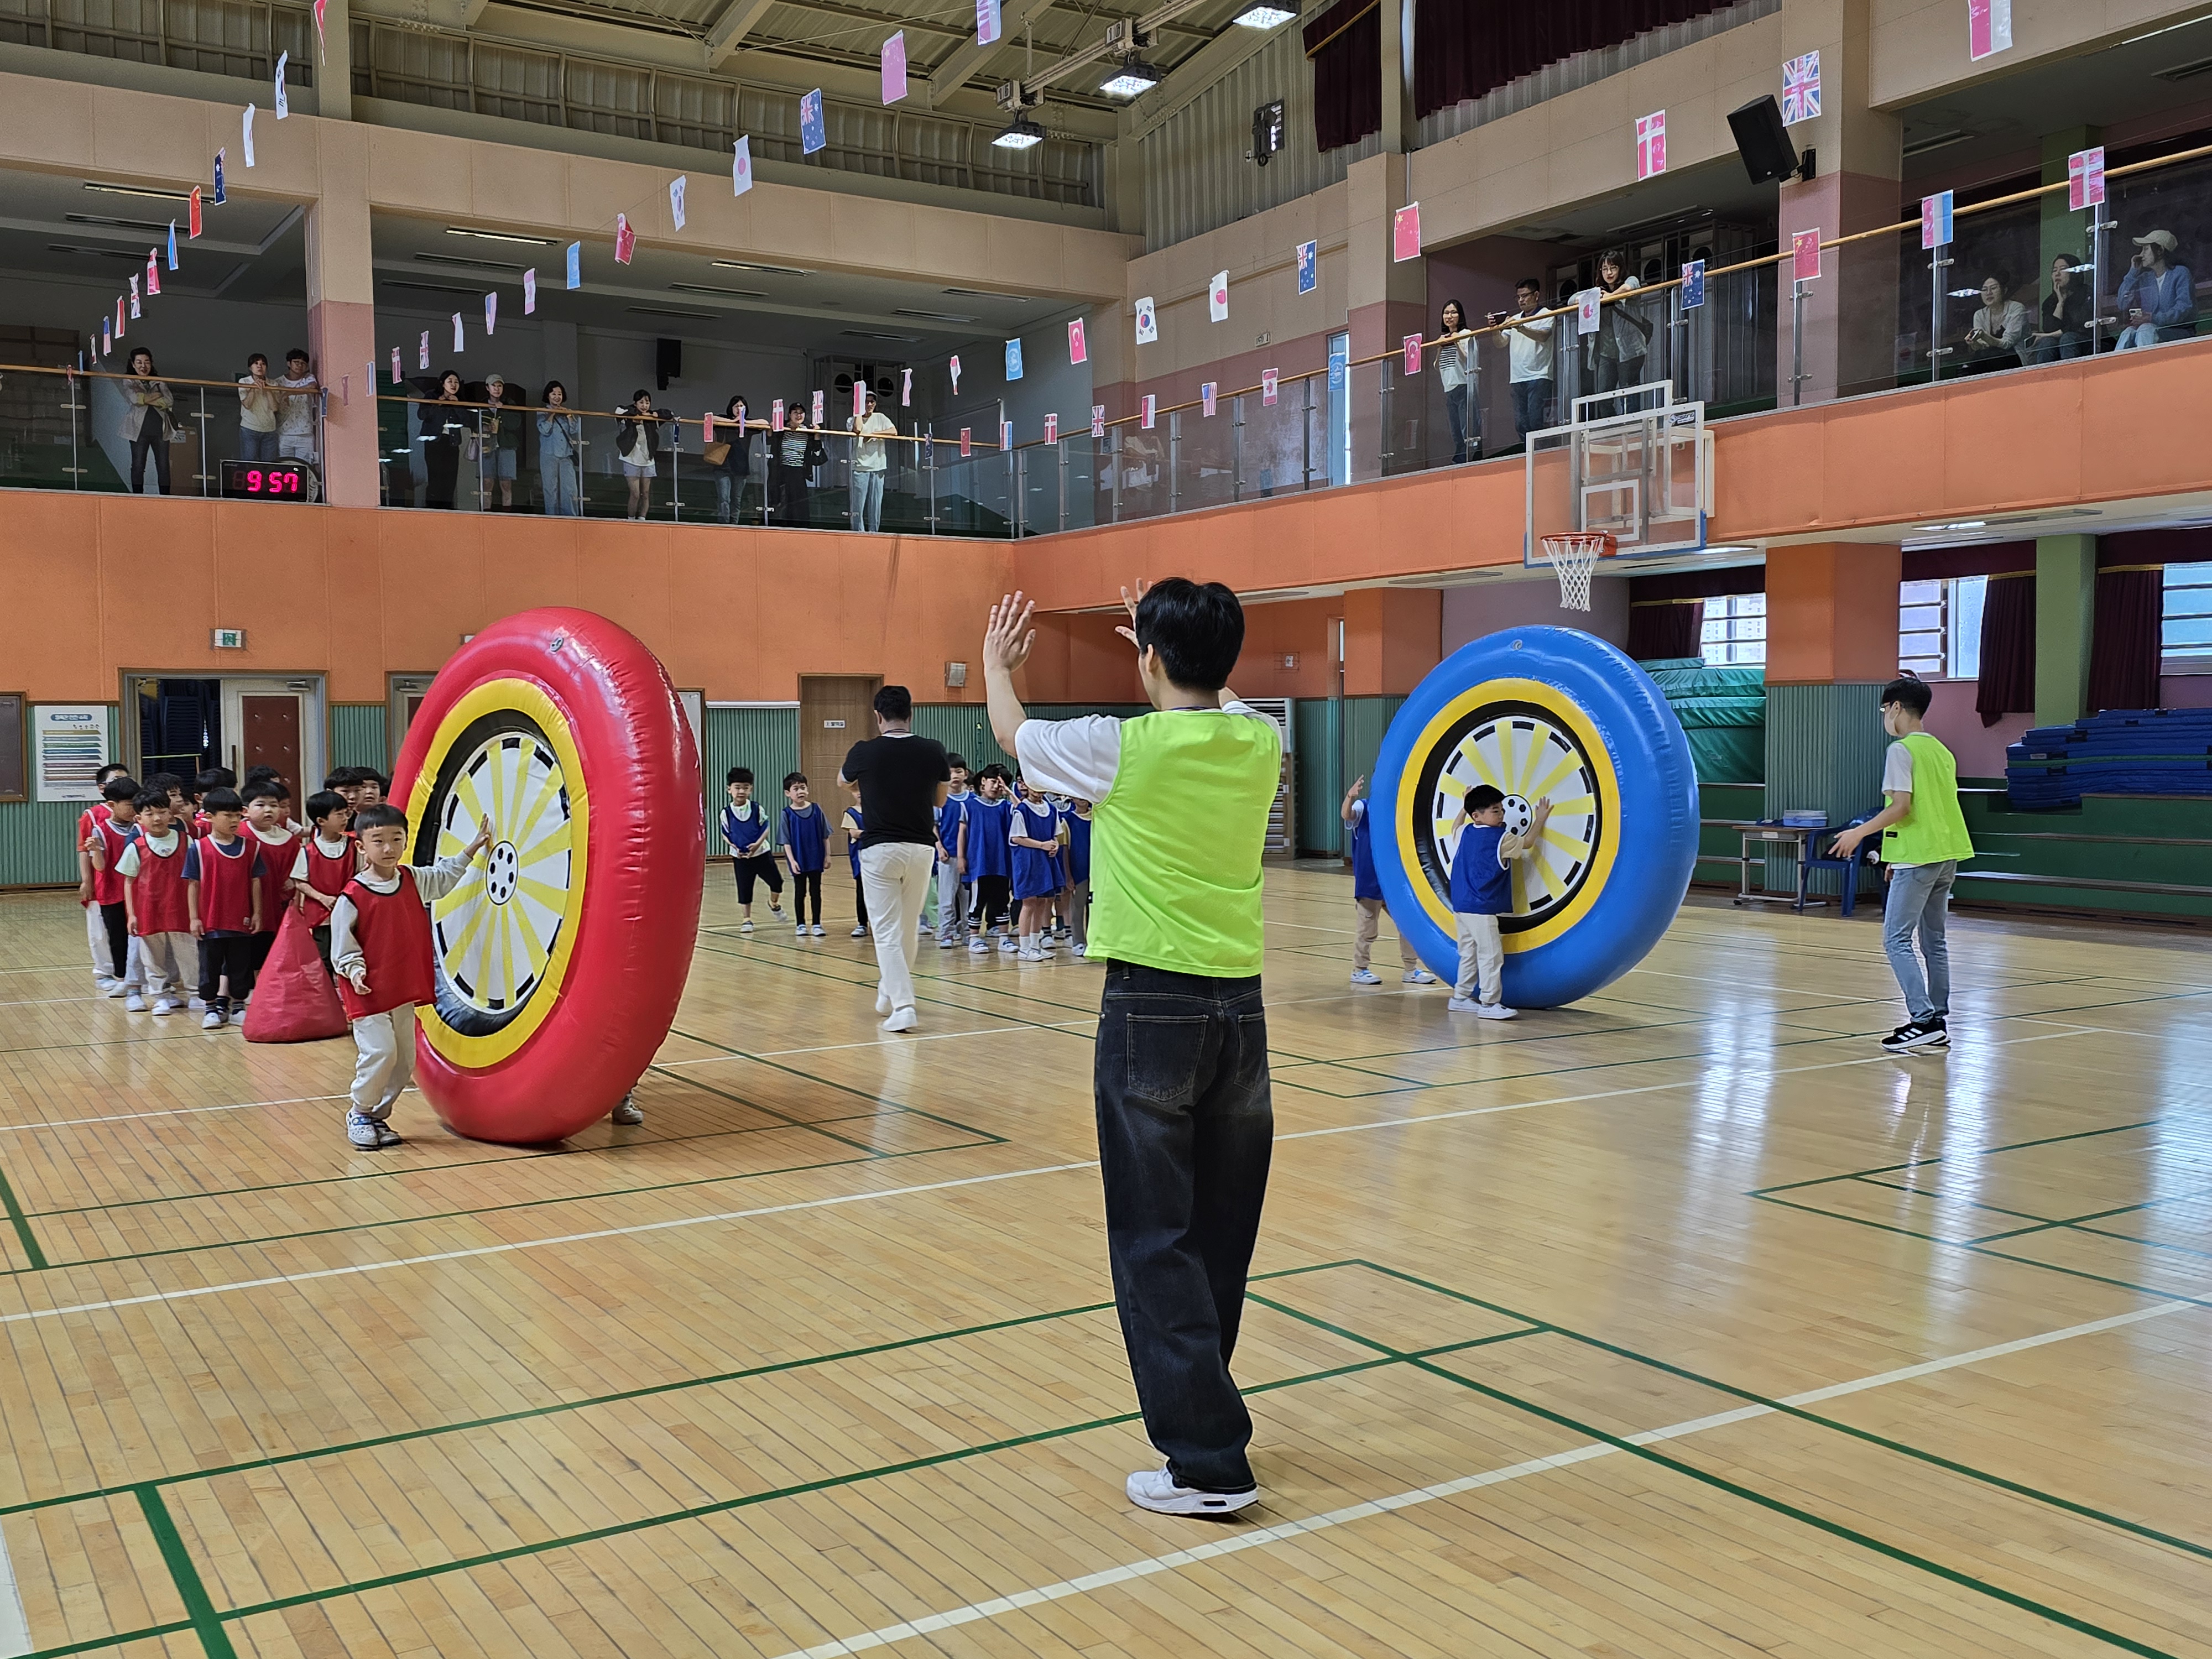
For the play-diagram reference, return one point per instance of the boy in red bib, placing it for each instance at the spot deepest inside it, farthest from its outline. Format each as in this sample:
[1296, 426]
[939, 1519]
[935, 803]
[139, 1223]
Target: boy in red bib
[380, 946]
[106, 830]
[267, 827]
[223, 882]
[157, 906]
[328, 860]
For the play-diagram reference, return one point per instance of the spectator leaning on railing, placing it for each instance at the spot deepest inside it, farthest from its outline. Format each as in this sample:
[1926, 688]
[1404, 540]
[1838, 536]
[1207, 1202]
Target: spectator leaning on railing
[258, 401]
[146, 422]
[560, 453]
[2158, 296]
[295, 421]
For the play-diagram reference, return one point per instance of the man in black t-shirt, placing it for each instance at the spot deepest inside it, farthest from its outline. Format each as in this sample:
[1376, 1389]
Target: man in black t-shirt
[902, 779]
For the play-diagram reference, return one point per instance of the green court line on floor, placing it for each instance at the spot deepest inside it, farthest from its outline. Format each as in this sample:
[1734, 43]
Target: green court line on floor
[2146, 1243]
[1782, 1408]
[199, 1609]
[1965, 1153]
[20, 1223]
[1941, 1198]
[1736, 1489]
[2080, 1223]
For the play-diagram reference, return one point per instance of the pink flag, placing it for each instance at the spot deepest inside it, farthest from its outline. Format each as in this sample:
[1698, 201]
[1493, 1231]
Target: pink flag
[775, 415]
[395, 365]
[963, 443]
[1076, 351]
[422, 351]
[1206, 396]
[859, 400]
[195, 210]
[1269, 381]
[322, 40]
[987, 22]
[153, 271]
[1151, 410]
[1406, 232]
[529, 292]
[1989, 28]
[1805, 255]
[706, 428]
[2085, 178]
[817, 408]
[625, 239]
[118, 316]
[895, 68]
[1051, 429]
[1651, 145]
[956, 373]
[1412, 344]
[1097, 420]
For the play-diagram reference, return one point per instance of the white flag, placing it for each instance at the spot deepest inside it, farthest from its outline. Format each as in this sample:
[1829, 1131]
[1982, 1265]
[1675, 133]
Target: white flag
[422, 351]
[458, 346]
[249, 135]
[491, 312]
[741, 167]
[1216, 297]
[283, 104]
[675, 200]
[529, 292]
[1148, 321]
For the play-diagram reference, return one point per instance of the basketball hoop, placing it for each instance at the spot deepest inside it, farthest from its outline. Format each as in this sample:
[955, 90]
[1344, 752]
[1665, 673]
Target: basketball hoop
[1575, 556]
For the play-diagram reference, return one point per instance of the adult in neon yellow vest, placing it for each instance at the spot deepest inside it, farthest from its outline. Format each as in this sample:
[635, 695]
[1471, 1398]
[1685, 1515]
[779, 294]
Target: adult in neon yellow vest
[1923, 836]
[1186, 1124]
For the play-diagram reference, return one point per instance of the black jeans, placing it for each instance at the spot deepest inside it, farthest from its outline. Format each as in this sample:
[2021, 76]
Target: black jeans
[1455, 400]
[226, 956]
[112, 918]
[1532, 405]
[993, 897]
[151, 440]
[1185, 1130]
[805, 883]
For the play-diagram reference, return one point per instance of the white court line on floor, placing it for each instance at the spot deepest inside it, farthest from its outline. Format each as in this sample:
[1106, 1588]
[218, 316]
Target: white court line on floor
[676, 1223]
[168, 1111]
[976, 1611]
[14, 1627]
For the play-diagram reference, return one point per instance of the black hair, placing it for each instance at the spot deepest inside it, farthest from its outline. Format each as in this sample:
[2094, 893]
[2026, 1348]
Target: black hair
[1910, 692]
[164, 781]
[323, 803]
[634, 396]
[150, 796]
[260, 357]
[263, 789]
[730, 408]
[739, 775]
[121, 787]
[112, 769]
[380, 818]
[546, 396]
[1614, 256]
[370, 774]
[459, 385]
[136, 353]
[790, 778]
[960, 761]
[262, 773]
[996, 770]
[1198, 631]
[1536, 283]
[338, 776]
[1483, 796]
[224, 799]
[895, 703]
[301, 352]
[1447, 306]
[216, 777]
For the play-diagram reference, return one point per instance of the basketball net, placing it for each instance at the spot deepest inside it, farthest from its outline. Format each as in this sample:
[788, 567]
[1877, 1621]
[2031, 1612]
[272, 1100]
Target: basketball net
[1575, 556]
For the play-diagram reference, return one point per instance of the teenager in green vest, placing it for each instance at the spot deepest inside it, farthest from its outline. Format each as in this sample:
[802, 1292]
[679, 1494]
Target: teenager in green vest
[1185, 1122]
[1923, 836]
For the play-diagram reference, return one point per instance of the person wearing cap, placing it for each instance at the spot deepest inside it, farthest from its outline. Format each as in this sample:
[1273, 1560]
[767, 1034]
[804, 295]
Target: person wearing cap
[2157, 299]
[502, 440]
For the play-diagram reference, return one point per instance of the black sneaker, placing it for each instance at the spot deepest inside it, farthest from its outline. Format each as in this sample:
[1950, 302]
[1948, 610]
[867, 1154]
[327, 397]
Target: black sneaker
[1912, 1037]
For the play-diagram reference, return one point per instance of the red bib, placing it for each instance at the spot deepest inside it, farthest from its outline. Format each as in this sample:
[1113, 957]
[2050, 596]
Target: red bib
[107, 884]
[329, 875]
[393, 931]
[226, 885]
[277, 858]
[158, 904]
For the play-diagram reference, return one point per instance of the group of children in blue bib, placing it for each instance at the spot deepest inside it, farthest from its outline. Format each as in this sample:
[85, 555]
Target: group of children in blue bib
[1014, 864]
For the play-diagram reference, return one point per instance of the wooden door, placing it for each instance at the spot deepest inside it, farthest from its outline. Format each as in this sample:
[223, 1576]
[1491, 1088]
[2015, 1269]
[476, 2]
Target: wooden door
[269, 735]
[835, 711]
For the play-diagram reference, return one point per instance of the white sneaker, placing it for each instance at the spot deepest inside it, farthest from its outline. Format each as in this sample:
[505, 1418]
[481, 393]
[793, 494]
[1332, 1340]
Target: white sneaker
[905, 1019]
[1460, 1004]
[1009, 945]
[238, 1016]
[115, 987]
[1029, 953]
[1080, 949]
[818, 929]
[925, 931]
[134, 1004]
[1365, 976]
[194, 1003]
[947, 942]
[168, 1006]
[980, 946]
[1497, 1010]
[361, 1132]
[746, 926]
[213, 1020]
[1417, 977]
[1159, 1492]
[859, 932]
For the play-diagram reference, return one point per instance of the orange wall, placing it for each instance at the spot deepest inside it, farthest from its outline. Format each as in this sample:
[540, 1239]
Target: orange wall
[1832, 612]
[91, 586]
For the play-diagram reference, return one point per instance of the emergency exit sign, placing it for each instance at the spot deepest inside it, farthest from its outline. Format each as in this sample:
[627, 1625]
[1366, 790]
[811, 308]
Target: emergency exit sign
[229, 639]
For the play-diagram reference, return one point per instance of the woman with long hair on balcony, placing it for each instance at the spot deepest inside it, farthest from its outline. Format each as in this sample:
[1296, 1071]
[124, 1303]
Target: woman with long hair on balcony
[147, 423]
[1456, 367]
[2064, 324]
[1623, 333]
[440, 422]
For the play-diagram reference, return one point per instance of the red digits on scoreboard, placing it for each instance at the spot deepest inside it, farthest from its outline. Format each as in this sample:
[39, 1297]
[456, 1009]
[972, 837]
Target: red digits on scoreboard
[253, 478]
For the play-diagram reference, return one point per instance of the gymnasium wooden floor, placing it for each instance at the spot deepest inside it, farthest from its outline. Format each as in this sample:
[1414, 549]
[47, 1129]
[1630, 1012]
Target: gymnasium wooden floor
[1685, 1322]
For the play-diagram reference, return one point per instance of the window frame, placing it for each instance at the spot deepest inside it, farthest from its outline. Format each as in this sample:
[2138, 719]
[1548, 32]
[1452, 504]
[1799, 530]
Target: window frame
[2188, 658]
[1738, 650]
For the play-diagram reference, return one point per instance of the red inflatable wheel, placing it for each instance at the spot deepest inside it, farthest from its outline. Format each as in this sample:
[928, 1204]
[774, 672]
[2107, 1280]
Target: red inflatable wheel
[561, 959]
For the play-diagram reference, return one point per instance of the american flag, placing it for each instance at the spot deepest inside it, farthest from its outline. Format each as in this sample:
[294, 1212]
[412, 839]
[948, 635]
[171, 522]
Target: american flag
[1801, 88]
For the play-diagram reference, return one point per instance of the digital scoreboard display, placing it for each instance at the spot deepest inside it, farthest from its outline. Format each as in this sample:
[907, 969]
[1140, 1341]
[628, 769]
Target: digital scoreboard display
[267, 480]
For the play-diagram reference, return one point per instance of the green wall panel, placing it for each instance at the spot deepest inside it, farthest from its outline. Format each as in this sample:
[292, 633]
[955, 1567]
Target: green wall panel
[38, 839]
[356, 738]
[766, 739]
[1824, 749]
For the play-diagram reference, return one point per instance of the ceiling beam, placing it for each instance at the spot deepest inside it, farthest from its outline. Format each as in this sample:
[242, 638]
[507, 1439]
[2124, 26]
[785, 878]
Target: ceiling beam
[728, 32]
[971, 55]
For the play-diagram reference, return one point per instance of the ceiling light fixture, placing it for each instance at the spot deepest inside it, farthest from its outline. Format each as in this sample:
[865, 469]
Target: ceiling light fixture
[135, 189]
[1133, 80]
[1021, 133]
[1265, 17]
[726, 293]
[501, 236]
[757, 270]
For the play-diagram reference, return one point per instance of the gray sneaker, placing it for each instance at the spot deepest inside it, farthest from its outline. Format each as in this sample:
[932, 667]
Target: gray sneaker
[628, 1113]
[365, 1133]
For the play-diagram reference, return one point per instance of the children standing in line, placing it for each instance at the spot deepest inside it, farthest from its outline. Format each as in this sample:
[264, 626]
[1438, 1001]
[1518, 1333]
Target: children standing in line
[381, 946]
[1923, 836]
[805, 849]
[369, 786]
[326, 861]
[990, 863]
[159, 909]
[1481, 891]
[223, 887]
[752, 838]
[267, 826]
[216, 777]
[953, 890]
[1076, 828]
[851, 823]
[102, 832]
[1367, 897]
[1034, 838]
[343, 781]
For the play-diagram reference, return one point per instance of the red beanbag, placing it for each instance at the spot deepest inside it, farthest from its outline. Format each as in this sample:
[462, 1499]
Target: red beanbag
[294, 1001]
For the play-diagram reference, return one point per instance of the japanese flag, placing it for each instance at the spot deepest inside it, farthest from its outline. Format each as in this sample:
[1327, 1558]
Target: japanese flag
[1216, 297]
[741, 167]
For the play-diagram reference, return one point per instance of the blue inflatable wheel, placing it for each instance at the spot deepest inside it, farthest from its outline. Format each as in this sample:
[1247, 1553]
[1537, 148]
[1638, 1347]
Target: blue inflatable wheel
[1538, 713]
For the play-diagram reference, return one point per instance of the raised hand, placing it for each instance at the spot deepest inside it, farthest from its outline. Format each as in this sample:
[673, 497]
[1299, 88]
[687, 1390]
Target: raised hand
[1129, 603]
[1008, 636]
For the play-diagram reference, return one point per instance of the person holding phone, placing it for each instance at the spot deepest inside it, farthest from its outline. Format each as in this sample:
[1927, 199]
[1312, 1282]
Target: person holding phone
[2157, 301]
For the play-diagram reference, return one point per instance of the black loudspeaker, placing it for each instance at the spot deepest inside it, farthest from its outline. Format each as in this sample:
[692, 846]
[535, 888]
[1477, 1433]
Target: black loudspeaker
[1763, 142]
[668, 357]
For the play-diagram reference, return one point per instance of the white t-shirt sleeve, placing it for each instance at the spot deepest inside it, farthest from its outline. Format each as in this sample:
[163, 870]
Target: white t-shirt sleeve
[1897, 770]
[1071, 757]
[128, 864]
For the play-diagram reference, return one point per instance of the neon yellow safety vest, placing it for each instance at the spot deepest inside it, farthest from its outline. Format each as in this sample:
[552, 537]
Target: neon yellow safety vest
[1935, 831]
[1176, 842]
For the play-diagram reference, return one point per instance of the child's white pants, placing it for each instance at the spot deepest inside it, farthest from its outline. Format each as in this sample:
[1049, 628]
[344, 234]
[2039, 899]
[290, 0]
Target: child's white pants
[384, 1060]
[1481, 959]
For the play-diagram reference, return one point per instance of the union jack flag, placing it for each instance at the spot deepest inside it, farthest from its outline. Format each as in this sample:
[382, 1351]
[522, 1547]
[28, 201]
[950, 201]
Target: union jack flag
[1801, 88]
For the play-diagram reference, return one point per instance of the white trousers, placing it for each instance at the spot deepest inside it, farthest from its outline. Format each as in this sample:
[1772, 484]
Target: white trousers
[1481, 959]
[384, 1060]
[164, 964]
[895, 880]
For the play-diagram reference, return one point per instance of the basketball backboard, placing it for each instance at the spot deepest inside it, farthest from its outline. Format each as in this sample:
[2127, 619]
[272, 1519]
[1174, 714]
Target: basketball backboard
[1634, 463]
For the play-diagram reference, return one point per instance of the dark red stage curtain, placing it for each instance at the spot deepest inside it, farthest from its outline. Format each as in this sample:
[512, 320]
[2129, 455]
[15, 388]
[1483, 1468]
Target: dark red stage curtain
[1462, 50]
[2124, 643]
[1345, 44]
[2007, 682]
[1658, 629]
